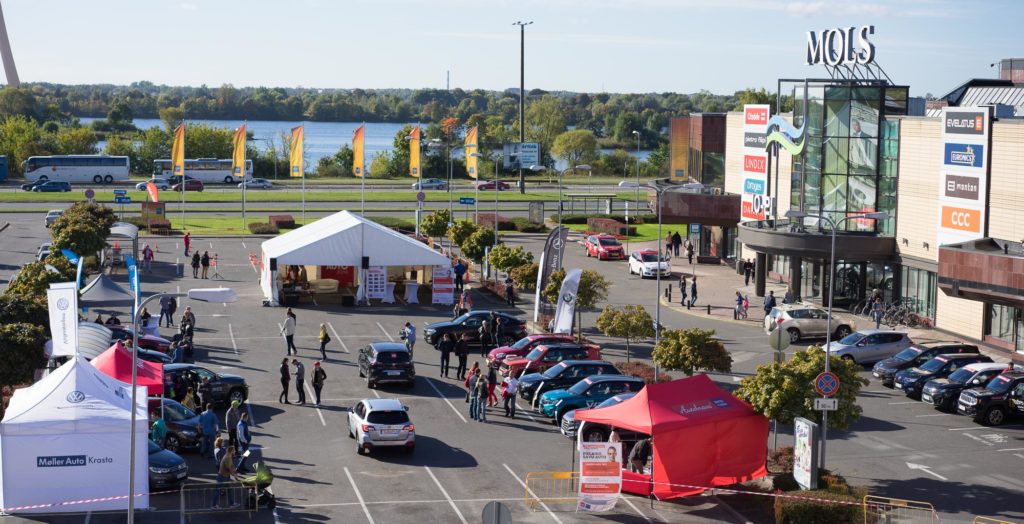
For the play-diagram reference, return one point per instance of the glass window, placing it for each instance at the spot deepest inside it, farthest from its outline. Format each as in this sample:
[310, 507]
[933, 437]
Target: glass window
[834, 193]
[837, 93]
[837, 152]
[861, 197]
[863, 156]
[837, 118]
[866, 93]
[919, 290]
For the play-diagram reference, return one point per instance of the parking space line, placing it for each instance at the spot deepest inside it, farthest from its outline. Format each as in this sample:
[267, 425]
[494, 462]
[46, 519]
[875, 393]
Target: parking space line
[519, 409]
[231, 332]
[391, 338]
[901, 403]
[374, 391]
[1011, 449]
[244, 246]
[986, 427]
[438, 391]
[979, 439]
[359, 496]
[636, 509]
[523, 484]
[311, 395]
[446, 496]
[342, 342]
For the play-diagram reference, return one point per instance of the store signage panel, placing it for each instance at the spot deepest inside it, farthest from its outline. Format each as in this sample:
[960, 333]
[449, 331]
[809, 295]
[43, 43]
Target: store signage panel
[755, 205]
[965, 187]
[964, 122]
[963, 190]
[969, 155]
[755, 140]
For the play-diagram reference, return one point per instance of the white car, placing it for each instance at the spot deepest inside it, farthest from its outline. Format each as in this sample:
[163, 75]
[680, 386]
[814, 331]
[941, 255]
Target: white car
[256, 183]
[645, 263]
[52, 216]
[161, 183]
[381, 422]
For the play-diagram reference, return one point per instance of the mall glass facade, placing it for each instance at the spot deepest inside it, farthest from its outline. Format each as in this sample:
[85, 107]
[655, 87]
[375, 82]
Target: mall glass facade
[1006, 324]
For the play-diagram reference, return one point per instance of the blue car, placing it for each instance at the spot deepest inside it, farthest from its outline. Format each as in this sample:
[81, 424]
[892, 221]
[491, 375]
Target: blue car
[52, 187]
[586, 393]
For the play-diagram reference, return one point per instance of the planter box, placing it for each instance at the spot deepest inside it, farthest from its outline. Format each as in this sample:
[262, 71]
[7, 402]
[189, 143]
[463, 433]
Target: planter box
[282, 221]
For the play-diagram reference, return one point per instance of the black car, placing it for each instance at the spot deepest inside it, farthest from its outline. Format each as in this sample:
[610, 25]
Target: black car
[943, 392]
[1003, 396]
[225, 387]
[32, 185]
[512, 330]
[166, 468]
[915, 356]
[595, 432]
[182, 424]
[560, 376]
[386, 362]
[910, 381]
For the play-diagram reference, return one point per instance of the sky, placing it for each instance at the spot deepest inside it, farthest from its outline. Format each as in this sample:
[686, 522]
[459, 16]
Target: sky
[616, 46]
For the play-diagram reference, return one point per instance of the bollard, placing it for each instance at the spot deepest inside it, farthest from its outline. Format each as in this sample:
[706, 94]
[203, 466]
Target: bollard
[709, 310]
[668, 293]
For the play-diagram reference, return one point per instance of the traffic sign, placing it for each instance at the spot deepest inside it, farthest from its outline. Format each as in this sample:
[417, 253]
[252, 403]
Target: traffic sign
[421, 196]
[694, 228]
[122, 200]
[89, 193]
[826, 383]
[120, 192]
[826, 404]
[467, 201]
[778, 340]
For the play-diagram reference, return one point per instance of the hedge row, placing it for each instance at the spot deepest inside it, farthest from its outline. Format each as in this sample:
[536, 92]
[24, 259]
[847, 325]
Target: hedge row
[582, 219]
[263, 228]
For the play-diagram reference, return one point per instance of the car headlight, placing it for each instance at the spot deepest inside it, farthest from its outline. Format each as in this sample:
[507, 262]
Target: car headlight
[429, 331]
[190, 433]
[159, 471]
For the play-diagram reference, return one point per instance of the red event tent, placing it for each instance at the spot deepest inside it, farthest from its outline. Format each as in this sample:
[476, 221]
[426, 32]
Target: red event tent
[701, 436]
[116, 363]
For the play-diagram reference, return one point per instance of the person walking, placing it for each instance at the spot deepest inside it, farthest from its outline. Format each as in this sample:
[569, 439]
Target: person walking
[877, 312]
[460, 271]
[205, 262]
[300, 380]
[492, 383]
[324, 339]
[746, 305]
[462, 353]
[748, 270]
[210, 430]
[231, 419]
[244, 439]
[485, 337]
[225, 472]
[471, 396]
[288, 330]
[147, 259]
[739, 306]
[769, 303]
[682, 290]
[689, 252]
[676, 242]
[286, 377]
[319, 376]
[188, 241]
[158, 431]
[693, 292]
[482, 388]
[446, 346]
[668, 245]
[165, 306]
[195, 265]
[510, 291]
[508, 395]
[172, 307]
[410, 337]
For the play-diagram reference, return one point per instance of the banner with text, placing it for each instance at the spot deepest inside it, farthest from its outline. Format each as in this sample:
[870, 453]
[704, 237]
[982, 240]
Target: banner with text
[756, 204]
[376, 282]
[600, 475]
[62, 300]
[443, 286]
[963, 176]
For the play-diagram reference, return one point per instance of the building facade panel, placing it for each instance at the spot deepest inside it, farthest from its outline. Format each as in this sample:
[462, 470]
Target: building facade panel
[1006, 194]
[960, 316]
[918, 188]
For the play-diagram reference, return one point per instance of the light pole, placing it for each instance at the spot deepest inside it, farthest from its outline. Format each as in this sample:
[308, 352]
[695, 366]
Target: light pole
[583, 167]
[218, 294]
[657, 299]
[636, 199]
[522, 95]
[834, 224]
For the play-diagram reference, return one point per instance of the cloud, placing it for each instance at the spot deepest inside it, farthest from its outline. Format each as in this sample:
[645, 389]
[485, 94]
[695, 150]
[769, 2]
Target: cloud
[188, 6]
[906, 8]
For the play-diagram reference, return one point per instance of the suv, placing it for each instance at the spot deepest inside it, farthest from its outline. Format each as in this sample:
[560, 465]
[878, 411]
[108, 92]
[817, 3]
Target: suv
[912, 380]
[943, 392]
[560, 376]
[525, 345]
[513, 329]
[225, 388]
[604, 247]
[381, 422]
[990, 405]
[591, 432]
[804, 321]
[588, 392]
[383, 362]
[545, 356]
[182, 424]
[869, 345]
[915, 356]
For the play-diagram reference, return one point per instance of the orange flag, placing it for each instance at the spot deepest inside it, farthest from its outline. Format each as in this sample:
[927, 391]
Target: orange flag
[154, 193]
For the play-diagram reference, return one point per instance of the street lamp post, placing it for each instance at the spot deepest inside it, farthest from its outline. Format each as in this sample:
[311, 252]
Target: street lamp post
[583, 167]
[834, 224]
[223, 295]
[657, 298]
[636, 199]
[522, 95]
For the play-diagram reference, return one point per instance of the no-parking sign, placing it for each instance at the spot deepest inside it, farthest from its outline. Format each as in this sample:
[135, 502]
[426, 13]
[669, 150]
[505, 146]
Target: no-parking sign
[826, 383]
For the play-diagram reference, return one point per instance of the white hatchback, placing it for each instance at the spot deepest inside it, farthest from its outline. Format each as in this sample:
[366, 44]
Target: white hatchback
[381, 422]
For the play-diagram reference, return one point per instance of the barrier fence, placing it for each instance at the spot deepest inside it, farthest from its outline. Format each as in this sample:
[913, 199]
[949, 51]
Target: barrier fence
[883, 510]
[990, 520]
[551, 486]
[220, 497]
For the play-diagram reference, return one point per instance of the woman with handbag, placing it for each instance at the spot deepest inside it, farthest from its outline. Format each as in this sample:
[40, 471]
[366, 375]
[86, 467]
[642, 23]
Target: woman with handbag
[324, 339]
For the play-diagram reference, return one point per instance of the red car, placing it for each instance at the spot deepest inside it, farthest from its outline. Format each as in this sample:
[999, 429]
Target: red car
[544, 356]
[191, 184]
[525, 345]
[604, 247]
[487, 186]
[151, 342]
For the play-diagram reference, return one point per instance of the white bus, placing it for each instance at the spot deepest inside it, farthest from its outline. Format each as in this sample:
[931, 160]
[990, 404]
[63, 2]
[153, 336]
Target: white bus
[98, 169]
[205, 169]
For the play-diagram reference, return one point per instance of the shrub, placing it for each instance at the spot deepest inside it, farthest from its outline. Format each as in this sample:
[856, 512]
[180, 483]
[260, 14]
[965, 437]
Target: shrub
[523, 225]
[641, 370]
[844, 509]
[263, 228]
[781, 460]
[582, 219]
[401, 224]
[525, 276]
[609, 226]
[504, 223]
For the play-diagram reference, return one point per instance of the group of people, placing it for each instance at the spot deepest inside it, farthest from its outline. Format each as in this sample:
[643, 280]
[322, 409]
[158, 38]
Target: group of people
[201, 261]
[448, 345]
[682, 292]
[480, 392]
[674, 242]
[298, 370]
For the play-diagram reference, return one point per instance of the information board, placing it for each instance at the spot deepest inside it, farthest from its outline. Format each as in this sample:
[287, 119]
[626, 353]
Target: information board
[376, 282]
[600, 475]
[443, 286]
[521, 156]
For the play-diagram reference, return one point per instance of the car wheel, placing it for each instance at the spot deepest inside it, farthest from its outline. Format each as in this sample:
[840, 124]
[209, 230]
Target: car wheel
[594, 435]
[994, 416]
[794, 335]
[236, 395]
[842, 331]
[369, 382]
[228, 180]
[172, 443]
[849, 358]
[97, 179]
[108, 179]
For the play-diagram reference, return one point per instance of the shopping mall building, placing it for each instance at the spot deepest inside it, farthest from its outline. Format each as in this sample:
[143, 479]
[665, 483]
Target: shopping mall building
[949, 174]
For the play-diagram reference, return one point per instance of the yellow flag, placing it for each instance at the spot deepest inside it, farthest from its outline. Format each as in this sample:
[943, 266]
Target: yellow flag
[414, 153]
[178, 151]
[297, 167]
[470, 149]
[358, 163]
[238, 155]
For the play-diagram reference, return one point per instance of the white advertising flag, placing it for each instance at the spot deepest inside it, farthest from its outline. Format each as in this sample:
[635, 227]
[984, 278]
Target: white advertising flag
[444, 286]
[567, 301]
[600, 475]
[63, 304]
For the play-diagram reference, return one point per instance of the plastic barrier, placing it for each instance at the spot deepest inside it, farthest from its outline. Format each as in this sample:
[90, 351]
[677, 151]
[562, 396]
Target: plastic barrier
[990, 520]
[883, 510]
[233, 498]
[551, 486]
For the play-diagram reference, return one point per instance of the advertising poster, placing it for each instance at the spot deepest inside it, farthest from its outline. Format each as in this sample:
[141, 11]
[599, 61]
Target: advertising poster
[444, 286]
[963, 179]
[376, 282]
[62, 300]
[755, 202]
[679, 147]
[805, 452]
[600, 475]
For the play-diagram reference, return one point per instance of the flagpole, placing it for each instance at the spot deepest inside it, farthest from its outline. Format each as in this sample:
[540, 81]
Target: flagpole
[244, 182]
[303, 173]
[184, 185]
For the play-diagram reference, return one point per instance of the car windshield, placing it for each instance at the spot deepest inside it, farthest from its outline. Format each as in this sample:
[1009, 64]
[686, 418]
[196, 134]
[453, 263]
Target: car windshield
[393, 357]
[177, 412]
[521, 343]
[934, 364]
[581, 387]
[553, 371]
[388, 418]
[961, 376]
[461, 319]
[615, 400]
[608, 242]
[907, 354]
[851, 339]
[649, 257]
[534, 354]
[1000, 384]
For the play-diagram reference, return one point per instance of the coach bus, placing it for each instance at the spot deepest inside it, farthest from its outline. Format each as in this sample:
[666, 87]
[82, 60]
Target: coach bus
[209, 170]
[98, 169]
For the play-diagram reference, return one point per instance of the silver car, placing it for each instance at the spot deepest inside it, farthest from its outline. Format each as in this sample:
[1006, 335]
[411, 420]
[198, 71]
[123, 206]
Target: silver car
[805, 321]
[381, 422]
[161, 183]
[869, 345]
[256, 183]
[52, 216]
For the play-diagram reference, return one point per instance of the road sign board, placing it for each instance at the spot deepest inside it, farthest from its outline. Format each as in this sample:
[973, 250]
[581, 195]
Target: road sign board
[694, 228]
[120, 192]
[778, 340]
[89, 193]
[826, 404]
[467, 201]
[826, 383]
[520, 156]
[122, 200]
[421, 196]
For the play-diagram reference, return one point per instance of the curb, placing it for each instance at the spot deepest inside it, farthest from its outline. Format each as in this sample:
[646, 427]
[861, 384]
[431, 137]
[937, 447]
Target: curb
[695, 312]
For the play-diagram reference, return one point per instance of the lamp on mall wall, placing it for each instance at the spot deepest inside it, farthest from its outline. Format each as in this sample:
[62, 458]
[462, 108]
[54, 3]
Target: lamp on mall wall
[834, 225]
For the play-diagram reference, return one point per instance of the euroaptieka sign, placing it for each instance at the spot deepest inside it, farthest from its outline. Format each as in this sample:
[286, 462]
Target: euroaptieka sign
[841, 46]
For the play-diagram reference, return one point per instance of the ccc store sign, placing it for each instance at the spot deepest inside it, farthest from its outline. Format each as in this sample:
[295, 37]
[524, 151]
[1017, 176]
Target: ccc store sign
[961, 219]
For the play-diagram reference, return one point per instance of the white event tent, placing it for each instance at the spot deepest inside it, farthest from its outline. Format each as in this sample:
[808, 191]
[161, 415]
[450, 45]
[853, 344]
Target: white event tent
[342, 239]
[66, 439]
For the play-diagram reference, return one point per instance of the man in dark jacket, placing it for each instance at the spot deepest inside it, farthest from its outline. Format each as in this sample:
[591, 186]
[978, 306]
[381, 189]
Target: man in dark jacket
[446, 346]
[676, 242]
[462, 353]
[769, 302]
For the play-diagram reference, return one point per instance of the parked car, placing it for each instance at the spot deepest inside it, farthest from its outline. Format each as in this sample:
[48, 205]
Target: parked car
[43, 248]
[524, 345]
[386, 362]
[32, 185]
[944, 392]
[225, 387]
[915, 356]
[805, 321]
[489, 186]
[595, 432]
[645, 263]
[604, 247]
[911, 380]
[256, 183]
[123, 332]
[513, 329]
[588, 392]
[560, 376]
[191, 184]
[430, 183]
[869, 345]
[1002, 397]
[543, 357]
[162, 184]
[155, 357]
[182, 424]
[166, 468]
[381, 422]
[52, 216]
[52, 186]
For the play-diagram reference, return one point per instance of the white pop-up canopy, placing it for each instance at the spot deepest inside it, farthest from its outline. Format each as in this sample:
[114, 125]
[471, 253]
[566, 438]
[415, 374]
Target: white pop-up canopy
[342, 239]
[66, 439]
